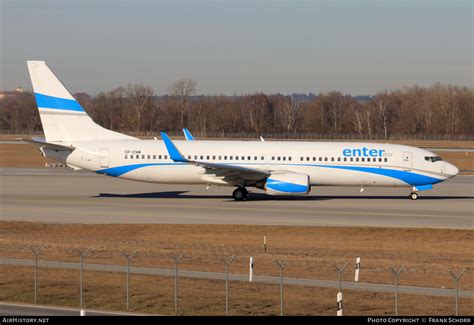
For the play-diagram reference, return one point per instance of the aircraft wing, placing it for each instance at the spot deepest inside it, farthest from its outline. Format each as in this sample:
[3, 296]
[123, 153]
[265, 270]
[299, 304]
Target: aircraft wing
[229, 172]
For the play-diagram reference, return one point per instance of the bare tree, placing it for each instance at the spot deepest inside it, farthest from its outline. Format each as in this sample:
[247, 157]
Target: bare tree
[181, 90]
[382, 113]
[358, 119]
[140, 99]
[292, 115]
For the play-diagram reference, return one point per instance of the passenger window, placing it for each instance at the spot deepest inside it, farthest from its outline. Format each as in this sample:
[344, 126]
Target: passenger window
[314, 158]
[220, 157]
[325, 158]
[137, 156]
[143, 156]
[301, 158]
[159, 157]
[279, 158]
[202, 157]
[154, 156]
[380, 159]
[262, 157]
[385, 159]
[207, 157]
[352, 159]
[213, 157]
[236, 157]
[255, 158]
[284, 158]
[273, 158]
[289, 158]
[362, 159]
[225, 157]
[249, 158]
[148, 157]
[231, 158]
[320, 158]
[357, 158]
[368, 159]
[126, 157]
[345, 159]
[195, 157]
[338, 158]
[307, 158]
[166, 156]
[332, 158]
[189, 157]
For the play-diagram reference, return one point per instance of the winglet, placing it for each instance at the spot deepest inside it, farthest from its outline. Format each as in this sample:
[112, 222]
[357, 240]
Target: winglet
[175, 155]
[188, 135]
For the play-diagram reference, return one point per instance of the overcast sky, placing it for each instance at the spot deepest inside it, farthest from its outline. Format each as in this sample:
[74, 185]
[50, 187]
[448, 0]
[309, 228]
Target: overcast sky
[234, 47]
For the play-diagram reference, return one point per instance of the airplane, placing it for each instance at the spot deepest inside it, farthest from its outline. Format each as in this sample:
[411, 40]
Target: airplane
[277, 167]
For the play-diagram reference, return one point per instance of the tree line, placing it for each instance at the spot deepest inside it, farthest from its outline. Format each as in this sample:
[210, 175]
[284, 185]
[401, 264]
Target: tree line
[135, 109]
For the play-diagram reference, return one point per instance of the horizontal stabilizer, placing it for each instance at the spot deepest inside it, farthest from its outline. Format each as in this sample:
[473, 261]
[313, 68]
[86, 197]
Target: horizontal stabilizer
[43, 143]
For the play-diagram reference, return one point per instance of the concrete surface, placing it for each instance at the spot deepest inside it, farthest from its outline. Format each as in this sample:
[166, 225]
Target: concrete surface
[61, 195]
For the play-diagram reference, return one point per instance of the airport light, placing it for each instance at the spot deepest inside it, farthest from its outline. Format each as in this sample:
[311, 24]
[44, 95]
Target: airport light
[251, 269]
[37, 252]
[177, 259]
[227, 262]
[82, 254]
[397, 279]
[339, 294]
[357, 270]
[339, 304]
[129, 259]
[281, 266]
[457, 278]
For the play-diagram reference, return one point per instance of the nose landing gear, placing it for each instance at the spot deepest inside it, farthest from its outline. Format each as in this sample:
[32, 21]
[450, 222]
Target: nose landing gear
[240, 193]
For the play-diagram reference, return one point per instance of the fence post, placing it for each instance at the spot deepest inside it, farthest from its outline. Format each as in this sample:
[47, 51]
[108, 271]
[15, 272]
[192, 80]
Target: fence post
[177, 259]
[129, 259]
[37, 252]
[82, 255]
[397, 278]
[227, 263]
[457, 278]
[281, 265]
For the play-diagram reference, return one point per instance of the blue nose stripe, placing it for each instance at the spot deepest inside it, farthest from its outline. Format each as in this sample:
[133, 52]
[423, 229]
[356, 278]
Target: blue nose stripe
[410, 178]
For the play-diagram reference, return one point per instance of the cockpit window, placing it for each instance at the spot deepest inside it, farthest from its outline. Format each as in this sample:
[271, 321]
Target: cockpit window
[433, 158]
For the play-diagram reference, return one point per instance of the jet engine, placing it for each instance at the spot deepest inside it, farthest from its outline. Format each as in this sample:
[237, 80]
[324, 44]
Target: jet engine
[287, 184]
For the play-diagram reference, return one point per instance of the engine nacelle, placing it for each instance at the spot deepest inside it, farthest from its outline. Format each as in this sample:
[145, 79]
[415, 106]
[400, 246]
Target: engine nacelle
[287, 184]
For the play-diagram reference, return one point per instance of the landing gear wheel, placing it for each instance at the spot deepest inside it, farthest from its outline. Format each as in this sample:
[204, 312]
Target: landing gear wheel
[240, 194]
[413, 195]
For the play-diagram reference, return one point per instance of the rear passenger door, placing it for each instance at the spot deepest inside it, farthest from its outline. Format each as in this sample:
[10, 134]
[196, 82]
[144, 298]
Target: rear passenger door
[407, 160]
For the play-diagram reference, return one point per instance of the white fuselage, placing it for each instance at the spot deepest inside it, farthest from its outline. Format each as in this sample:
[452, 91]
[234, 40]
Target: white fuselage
[326, 163]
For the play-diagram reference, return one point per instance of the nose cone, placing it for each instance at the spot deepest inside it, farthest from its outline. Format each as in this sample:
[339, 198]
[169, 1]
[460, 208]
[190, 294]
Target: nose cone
[451, 170]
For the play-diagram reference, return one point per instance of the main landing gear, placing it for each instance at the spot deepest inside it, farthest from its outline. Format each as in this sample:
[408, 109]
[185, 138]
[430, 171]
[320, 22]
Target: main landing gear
[240, 193]
[413, 195]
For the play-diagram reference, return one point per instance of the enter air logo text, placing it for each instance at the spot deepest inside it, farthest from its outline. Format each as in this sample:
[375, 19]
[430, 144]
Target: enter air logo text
[363, 152]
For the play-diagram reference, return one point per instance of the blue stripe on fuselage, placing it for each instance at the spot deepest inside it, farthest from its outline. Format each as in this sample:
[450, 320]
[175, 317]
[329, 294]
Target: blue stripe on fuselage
[45, 101]
[410, 178]
[120, 170]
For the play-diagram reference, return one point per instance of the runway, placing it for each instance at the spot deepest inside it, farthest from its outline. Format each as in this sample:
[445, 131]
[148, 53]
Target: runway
[60, 195]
